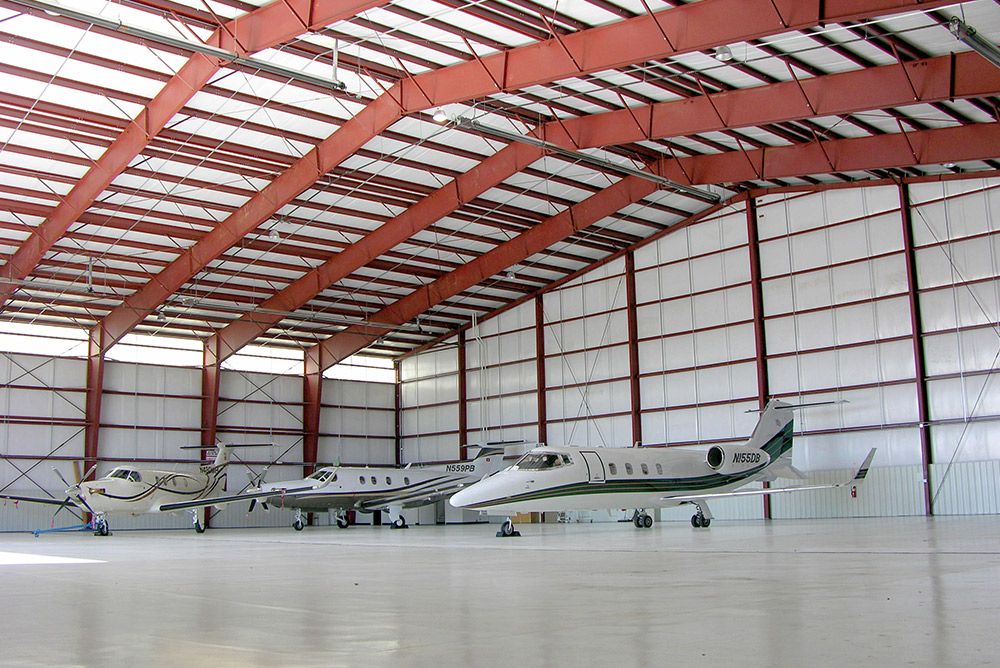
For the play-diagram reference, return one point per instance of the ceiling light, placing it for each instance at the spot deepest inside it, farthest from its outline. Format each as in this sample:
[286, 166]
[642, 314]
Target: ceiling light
[274, 236]
[440, 116]
[723, 53]
[161, 316]
[511, 275]
[949, 165]
[968, 35]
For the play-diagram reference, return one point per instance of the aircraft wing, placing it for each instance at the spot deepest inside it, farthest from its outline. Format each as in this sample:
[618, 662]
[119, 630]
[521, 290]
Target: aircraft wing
[856, 480]
[38, 499]
[420, 496]
[231, 498]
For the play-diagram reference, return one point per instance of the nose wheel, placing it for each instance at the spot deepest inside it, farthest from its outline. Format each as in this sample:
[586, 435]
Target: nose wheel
[198, 526]
[642, 520]
[101, 527]
[342, 522]
[297, 523]
[399, 523]
[507, 530]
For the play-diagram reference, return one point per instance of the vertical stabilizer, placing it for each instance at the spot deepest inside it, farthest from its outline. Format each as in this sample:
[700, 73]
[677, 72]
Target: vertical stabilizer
[773, 432]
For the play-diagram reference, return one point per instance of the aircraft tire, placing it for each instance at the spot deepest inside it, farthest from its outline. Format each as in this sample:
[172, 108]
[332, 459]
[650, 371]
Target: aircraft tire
[705, 522]
[647, 521]
[102, 529]
[199, 528]
[298, 525]
[342, 523]
[637, 522]
[695, 522]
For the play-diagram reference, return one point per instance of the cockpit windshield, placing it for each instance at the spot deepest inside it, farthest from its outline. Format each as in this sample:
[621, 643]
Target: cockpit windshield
[541, 461]
[126, 474]
[321, 476]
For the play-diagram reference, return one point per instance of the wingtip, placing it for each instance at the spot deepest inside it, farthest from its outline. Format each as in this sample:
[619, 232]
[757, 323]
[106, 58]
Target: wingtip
[865, 465]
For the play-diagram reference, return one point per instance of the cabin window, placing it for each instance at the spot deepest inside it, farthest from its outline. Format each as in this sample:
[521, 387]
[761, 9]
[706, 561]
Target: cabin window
[659, 469]
[362, 479]
[388, 480]
[541, 461]
[374, 480]
[406, 481]
[645, 469]
[612, 469]
[628, 469]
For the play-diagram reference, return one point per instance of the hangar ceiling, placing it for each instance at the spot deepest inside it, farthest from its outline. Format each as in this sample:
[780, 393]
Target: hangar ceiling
[369, 175]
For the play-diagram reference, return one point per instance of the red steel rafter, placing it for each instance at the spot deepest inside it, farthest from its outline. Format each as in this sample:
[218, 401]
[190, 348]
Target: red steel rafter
[980, 141]
[697, 26]
[627, 191]
[261, 29]
[968, 75]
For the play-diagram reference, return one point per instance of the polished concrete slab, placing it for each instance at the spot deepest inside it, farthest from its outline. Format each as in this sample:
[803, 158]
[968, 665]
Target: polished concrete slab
[864, 592]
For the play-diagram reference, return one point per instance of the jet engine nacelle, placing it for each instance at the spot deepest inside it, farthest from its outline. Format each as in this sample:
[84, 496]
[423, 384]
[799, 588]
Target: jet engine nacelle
[735, 459]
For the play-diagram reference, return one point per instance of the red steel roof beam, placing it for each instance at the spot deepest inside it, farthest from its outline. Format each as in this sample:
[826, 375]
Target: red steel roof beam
[261, 29]
[938, 78]
[605, 203]
[980, 141]
[694, 27]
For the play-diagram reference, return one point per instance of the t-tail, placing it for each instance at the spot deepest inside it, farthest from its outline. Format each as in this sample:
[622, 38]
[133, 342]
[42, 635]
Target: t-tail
[773, 433]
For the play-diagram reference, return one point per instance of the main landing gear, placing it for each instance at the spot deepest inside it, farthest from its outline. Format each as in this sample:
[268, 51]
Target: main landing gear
[507, 530]
[342, 521]
[641, 519]
[702, 516]
[198, 526]
[399, 523]
[297, 523]
[100, 524]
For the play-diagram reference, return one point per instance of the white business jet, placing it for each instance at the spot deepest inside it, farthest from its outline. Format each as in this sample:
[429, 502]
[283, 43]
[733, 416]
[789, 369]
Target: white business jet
[566, 478]
[340, 489]
[136, 491]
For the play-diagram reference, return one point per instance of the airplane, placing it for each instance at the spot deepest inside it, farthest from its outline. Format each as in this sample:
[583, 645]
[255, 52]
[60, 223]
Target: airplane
[136, 491]
[569, 478]
[363, 489]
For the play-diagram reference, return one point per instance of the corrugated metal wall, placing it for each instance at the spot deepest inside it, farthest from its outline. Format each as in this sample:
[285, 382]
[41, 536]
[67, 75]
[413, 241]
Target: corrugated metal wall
[150, 410]
[837, 326]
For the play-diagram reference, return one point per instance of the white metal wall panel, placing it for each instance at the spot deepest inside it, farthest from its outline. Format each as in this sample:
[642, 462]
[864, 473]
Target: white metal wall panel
[966, 488]
[429, 406]
[888, 491]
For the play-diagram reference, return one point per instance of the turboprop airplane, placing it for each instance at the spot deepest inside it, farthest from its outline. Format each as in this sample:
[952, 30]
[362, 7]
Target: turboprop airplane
[568, 478]
[135, 491]
[364, 489]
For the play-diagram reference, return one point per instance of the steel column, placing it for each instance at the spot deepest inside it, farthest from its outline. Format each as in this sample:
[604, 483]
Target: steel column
[633, 347]
[760, 340]
[543, 431]
[916, 329]
[463, 399]
[94, 399]
[398, 412]
[312, 398]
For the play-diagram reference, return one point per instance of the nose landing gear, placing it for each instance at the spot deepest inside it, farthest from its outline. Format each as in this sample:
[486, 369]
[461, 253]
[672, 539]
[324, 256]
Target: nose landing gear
[507, 530]
[100, 524]
[297, 523]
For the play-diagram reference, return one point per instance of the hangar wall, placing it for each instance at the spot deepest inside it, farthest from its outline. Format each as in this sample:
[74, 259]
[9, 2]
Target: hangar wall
[884, 297]
[149, 410]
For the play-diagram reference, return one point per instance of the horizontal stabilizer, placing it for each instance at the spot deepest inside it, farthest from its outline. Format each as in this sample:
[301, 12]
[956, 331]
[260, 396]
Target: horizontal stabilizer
[806, 405]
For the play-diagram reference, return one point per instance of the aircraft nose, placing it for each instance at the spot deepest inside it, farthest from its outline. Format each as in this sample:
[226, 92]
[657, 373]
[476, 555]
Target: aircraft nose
[463, 498]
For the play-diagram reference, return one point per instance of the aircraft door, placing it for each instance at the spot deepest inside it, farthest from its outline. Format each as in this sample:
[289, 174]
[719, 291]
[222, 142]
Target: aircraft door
[595, 466]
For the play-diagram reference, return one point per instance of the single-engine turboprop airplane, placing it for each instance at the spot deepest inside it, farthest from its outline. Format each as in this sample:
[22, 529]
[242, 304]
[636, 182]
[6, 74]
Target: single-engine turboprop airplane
[135, 491]
[568, 478]
[363, 489]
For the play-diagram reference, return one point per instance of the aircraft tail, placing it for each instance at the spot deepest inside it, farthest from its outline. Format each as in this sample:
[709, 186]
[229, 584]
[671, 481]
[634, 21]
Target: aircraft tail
[773, 433]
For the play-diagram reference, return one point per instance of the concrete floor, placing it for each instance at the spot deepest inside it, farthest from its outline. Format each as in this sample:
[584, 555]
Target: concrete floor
[866, 592]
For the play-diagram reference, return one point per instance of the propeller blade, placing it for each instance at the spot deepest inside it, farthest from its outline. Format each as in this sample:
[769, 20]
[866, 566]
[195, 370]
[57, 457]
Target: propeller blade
[253, 504]
[61, 477]
[263, 504]
[89, 471]
[76, 471]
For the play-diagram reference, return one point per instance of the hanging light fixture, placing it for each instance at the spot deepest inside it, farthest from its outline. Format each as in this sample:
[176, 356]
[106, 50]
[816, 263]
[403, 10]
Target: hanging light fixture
[440, 116]
[723, 54]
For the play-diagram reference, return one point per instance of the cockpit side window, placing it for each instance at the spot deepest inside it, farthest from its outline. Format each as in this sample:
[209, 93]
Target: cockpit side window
[133, 476]
[540, 461]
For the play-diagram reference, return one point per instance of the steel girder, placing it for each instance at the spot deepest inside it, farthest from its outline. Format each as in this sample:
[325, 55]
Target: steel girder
[670, 32]
[261, 29]
[961, 76]
[980, 141]
[605, 203]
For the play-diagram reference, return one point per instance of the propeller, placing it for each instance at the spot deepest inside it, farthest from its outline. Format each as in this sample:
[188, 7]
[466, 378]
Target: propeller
[69, 498]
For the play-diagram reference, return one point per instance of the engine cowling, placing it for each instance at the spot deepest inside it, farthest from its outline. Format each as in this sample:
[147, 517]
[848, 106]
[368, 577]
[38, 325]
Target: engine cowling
[735, 459]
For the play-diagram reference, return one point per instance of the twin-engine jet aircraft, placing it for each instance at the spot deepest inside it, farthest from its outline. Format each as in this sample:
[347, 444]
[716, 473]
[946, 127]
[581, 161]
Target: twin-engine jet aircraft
[340, 489]
[563, 478]
[135, 491]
